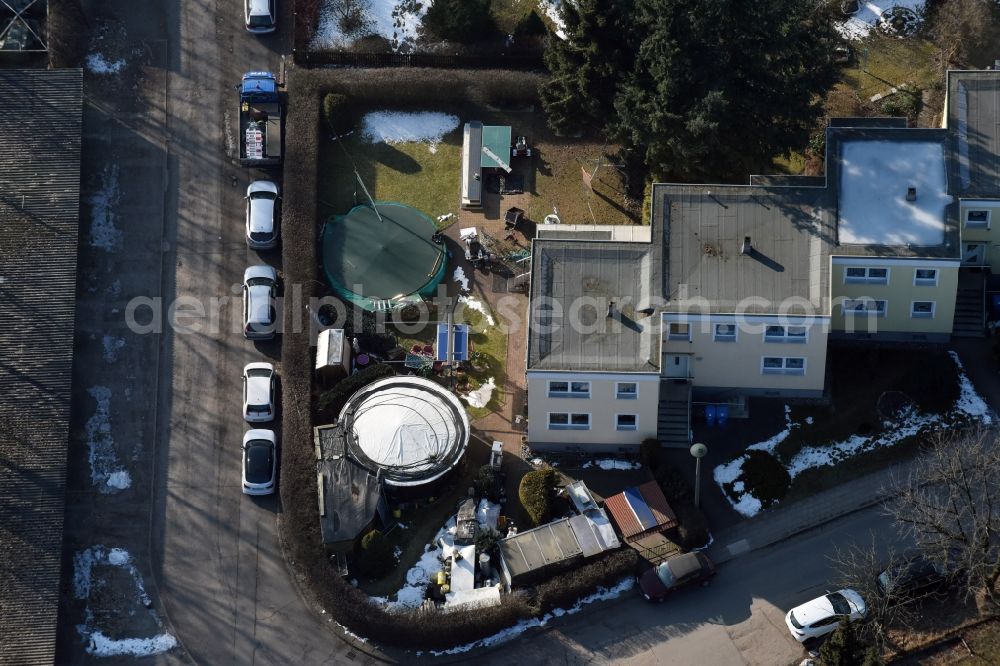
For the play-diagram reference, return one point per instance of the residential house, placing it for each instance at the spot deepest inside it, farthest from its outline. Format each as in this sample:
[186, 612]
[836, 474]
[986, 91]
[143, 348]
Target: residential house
[888, 246]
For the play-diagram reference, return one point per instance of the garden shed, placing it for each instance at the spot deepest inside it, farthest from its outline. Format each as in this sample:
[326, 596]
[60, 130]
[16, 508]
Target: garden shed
[641, 510]
[333, 356]
[483, 147]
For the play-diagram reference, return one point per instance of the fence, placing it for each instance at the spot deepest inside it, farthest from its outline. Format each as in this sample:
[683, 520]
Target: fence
[348, 59]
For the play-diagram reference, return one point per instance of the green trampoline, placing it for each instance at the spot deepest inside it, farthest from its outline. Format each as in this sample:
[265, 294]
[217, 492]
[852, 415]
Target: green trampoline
[382, 265]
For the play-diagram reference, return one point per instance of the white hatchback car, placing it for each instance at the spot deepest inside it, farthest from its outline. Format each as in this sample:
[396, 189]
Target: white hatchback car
[260, 462]
[260, 286]
[822, 615]
[263, 205]
[261, 16]
[258, 392]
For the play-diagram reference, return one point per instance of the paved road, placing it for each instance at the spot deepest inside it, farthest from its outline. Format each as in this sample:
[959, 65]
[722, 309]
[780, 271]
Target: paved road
[738, 619]
[221, 576]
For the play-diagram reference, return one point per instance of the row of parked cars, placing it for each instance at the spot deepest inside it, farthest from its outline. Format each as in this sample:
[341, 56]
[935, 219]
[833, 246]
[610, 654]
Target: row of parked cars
[260, 289]
[908, 579]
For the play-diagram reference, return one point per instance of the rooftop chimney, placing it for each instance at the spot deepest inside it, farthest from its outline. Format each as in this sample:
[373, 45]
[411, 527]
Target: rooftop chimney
[747, 246]
[911, 194]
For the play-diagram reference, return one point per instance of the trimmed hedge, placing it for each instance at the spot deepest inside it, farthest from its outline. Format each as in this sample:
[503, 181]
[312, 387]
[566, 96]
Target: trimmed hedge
[337, 112]
[317, 578]
[535, 493]
[565, 590]
[333, 400]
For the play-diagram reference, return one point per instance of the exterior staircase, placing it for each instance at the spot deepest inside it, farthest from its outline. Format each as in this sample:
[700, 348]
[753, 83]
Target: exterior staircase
[673, 427]
[970, 308]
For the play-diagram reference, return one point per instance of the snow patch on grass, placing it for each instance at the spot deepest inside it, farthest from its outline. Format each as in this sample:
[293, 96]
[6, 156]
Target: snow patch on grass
[608, 464]
[550, 9]
[460, 279]
[481, 396]
[861, 24]
[477, 305]
[103, 232]
[419, 575]
[396, 20]
[105, 471]
[97, 64]
[407, 127]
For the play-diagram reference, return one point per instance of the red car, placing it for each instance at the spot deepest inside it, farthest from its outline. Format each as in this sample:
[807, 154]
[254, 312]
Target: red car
[657, 582]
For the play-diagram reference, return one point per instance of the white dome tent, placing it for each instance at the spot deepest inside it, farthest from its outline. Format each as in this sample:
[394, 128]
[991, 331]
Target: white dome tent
[409, 430]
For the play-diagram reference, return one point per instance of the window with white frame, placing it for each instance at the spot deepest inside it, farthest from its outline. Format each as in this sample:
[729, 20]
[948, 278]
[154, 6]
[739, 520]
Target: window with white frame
[785, 334]
[783, 365]
[724, 333]
[977, 219]
[569, 421]
[626, 421]
[855, 274]
[626, 390]
[568, 389]
[678, 331]
[925, 277]
[922, 309]
[864, 307]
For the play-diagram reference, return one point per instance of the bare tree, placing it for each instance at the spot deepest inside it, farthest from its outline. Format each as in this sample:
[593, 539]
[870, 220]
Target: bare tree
[859, 568]
[950, 505]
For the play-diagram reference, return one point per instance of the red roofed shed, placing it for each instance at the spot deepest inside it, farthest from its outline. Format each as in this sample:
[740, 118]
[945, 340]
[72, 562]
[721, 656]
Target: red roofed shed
[640, 511]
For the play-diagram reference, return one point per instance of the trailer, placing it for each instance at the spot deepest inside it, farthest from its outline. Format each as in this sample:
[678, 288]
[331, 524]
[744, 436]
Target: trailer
[261, 120]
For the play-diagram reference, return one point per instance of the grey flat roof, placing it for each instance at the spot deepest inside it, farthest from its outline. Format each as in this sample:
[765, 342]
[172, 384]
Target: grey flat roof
[974, 120]
[538, 548]
[791, 230]
[571, 284]
[39, 221]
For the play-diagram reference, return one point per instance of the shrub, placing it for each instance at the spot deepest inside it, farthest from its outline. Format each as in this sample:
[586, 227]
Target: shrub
[692, 526]
[487, 483]
[905, 103]
[817, 143]
[566, 589]
[535, 493]
[336, 112]
[674, 485]
[464, 21]
[765, 478]
[375, 559]
[650, 453]
[332, 401]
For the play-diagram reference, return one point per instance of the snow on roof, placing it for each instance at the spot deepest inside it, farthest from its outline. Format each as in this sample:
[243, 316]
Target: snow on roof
[875, 176]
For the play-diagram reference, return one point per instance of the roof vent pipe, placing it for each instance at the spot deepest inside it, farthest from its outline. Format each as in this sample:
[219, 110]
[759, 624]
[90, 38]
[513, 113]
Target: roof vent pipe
[911, 194]
[611, 308]
[747, 246]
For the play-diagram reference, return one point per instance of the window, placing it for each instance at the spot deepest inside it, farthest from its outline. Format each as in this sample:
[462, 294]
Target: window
[864, 306]
[725, 333]
[925, 277]
[679, 331]
[783, 365]
[854, 274]
[626, 422]
[785, 334]
[922, 309]
[977, 219]
[562, 389]
[626, 390]
[568, 421]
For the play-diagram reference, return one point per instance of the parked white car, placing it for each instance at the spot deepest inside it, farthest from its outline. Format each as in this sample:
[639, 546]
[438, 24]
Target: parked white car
[258, 392]
[261, 16]
[260, 286]
[263, 204]
[260, 462]
[822, 615]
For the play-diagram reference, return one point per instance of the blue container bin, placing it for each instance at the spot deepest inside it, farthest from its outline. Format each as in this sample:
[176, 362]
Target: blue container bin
[722, 412]
[710, 414]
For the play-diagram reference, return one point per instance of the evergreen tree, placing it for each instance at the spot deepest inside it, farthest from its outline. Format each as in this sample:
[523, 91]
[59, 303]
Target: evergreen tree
[722, 86]
[464, 21]
[588, 65]
[843, 648]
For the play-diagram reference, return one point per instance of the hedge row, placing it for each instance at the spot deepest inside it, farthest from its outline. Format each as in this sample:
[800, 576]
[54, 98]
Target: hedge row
[333, 400]
[299, 522]
[535, 493]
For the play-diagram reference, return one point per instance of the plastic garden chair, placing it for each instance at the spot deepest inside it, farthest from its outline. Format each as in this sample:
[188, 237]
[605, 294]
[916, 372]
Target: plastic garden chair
[710, 414]
[722, 411]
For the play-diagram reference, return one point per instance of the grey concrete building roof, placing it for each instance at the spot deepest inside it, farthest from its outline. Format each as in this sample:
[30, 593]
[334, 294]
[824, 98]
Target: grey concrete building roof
[39, 219]
[974, 122]
[791, 231]
[572, 283]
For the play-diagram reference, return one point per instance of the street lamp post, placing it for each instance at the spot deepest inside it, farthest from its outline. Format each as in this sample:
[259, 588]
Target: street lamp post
[698, 450]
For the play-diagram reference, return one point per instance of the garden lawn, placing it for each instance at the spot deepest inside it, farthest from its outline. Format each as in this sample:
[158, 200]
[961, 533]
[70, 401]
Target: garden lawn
[489, 342]
[881, 63]
[427, 175]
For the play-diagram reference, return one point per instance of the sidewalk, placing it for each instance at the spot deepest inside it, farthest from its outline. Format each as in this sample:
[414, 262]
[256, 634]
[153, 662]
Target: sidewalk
[776, 525]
